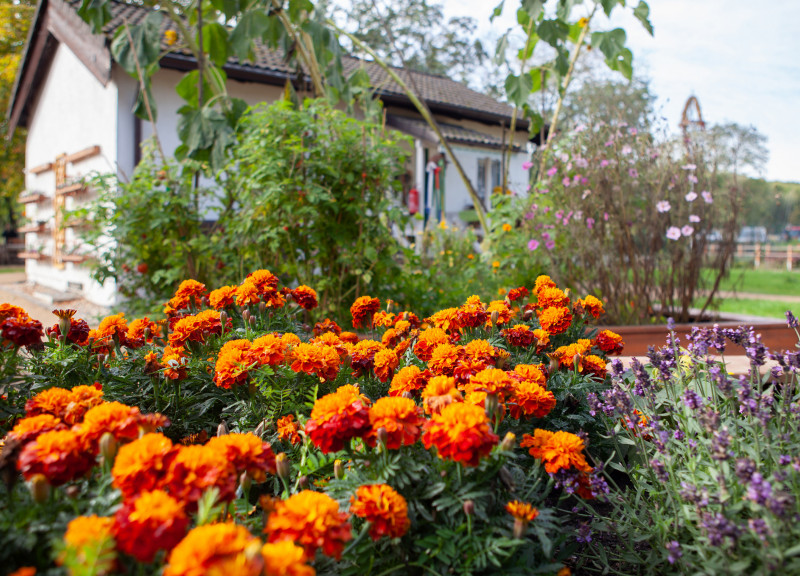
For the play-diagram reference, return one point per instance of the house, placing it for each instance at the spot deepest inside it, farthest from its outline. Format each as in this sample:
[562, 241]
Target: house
[77, 106]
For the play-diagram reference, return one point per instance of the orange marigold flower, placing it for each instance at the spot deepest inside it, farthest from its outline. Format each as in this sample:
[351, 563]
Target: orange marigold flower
[439, 392]
[264, 280]
[142, 464]
[531, 399]
[174, 361]
[284, 558]
[331, 339]
[557, 450]
[504, 312]
[247, 293]
[54, 401]
[491, 381]
[246, 453]
[402, 347]
[273, 298]
[290, 339]
[517, 293]
[90, 538]
[566, 354]
[233, 364]
[135, 337]
[59, 455]
[543, 339]
[316, 359]
[30, 428]
[591, 305]
[609, 342]
[11, 311]
[480, 350]
[186, 292]
[24, 571]
[592, 364]
[520, 335]
[408, 379]
[350, 337]
[391, 337]
[362, 311]
[195, 328]
[551, 296]
[305, 297]
[153, 521]
[222, 297]
[400, 417]
[522, 511]
[532, 372]
[446, 320]
[467, 368]
[82, 399]
[427, 341]
[472, 313]
[386, 361]
[288, 429]
[444, 359]
[194, 469]
[216, 549]
[383, 508]
[383, 319]
[269, 349]
[337, 418]
[543, 282]
[363, 356]
[555, 320]
[120, 420]
[312, 520]
[326, 325]
[460, 432]
[113, 326]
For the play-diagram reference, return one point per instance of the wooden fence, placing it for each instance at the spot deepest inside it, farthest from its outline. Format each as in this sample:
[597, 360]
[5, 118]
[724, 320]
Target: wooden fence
[765, 255]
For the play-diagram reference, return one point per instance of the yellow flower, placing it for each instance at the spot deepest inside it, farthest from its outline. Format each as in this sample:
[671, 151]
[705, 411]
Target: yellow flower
[583, 22]
[471, 256]
[496, 264]
[506, 227]
[171, 37]
[443, 224]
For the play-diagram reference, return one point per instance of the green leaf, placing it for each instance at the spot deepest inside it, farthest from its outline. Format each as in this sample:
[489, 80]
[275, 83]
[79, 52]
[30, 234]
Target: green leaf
[518, 88]
[498, 10]
[553, 31]
[610, 43]
[96, 12]
[252, 25]
[215, 43]
[501, 48]
[146, 44]
[608, 5]
[139, 108]
[187, 88]
[533, 7]
[642, 13]
[527, 52]
[565, 8]
[623, 63]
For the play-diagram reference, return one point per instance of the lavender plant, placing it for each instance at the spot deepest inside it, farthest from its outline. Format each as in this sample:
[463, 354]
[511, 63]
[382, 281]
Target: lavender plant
[708, 479]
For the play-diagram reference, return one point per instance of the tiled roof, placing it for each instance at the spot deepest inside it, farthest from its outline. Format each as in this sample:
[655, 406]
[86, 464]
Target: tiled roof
[440, 92]
[451, 132]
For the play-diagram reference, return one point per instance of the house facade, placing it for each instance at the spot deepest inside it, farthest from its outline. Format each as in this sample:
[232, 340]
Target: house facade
[76, 104]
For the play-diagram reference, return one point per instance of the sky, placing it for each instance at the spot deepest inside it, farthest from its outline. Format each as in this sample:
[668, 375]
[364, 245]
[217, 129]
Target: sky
[741, 59]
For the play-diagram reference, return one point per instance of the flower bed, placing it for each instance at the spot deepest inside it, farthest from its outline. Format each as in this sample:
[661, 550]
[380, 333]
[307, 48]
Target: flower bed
[229, 438]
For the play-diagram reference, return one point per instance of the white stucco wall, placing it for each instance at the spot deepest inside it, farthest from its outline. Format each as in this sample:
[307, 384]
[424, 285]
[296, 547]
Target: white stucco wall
[73, 111]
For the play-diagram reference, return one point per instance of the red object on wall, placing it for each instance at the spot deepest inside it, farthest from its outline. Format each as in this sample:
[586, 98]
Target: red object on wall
[413, 201]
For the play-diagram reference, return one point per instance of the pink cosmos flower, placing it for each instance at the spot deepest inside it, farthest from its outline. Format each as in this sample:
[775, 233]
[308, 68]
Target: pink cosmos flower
[694, 218]
[673, 233]
[687, 230]
[550, 244]
[533, 245]
[527, 165]
[707, 196]
[691, 196]
[663, 207]
[552, 171]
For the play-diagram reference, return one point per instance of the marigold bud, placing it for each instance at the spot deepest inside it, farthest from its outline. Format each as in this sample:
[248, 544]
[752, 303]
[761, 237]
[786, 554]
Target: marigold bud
[252, 321]
[491, 405]
[222, 429]
[469, 507]
[495, 318]
[259, 431]
[527, 315]
[553, 367]
[577, 362]
[520, 527]
[245, 481]
[262, 307]
[383, 436]
[108, 447]
[282, 466]
[408, 395]
[509, 442]
[338, 469]
[39, 487]
[303, 482]
[246, 315]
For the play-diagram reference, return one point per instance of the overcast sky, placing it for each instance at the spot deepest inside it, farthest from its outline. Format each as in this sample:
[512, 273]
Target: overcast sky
[739, 57]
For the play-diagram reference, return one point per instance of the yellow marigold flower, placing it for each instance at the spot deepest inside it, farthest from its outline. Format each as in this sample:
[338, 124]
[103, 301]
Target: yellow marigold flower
[284, 558]
[460, 432]
[312, 520]
[583, 22]
[288, 429]
[383, 319]
[383, 508]
[551, 296]
[522, 510]
[543, 282]
[557, 450]
[496, 264]
[566, 354]
[170, 37]
[218, 550]
[400, 417]
[592, 306]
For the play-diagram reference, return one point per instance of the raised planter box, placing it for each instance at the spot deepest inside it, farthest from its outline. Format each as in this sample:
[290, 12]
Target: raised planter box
[775, 334]
[31, 256]
[74, 258]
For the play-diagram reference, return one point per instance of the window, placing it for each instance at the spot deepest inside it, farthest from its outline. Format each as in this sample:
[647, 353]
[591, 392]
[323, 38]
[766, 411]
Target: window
[481, 187]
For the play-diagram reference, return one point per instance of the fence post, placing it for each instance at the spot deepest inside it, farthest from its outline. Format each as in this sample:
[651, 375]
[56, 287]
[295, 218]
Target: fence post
[758, 256]
[789, 257]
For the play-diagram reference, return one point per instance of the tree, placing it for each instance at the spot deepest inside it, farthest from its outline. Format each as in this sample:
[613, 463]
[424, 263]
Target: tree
[735, 148]
[15, 20]
[415, 34]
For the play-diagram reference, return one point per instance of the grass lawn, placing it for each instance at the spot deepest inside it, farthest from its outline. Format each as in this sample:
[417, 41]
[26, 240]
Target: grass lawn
[762, 281]
[11, 269]
[765, 308]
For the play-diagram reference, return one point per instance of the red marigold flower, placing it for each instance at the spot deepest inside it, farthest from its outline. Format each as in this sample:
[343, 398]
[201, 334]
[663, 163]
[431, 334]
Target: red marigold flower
[400, 417]
[591, 305]
[427, 341]
[592, 364]
[408, 379]
[247, 293]
[363, 357]
[11, 311]
[22, 331]
[120, 420]
[284, 558]
[467, 368]
[174, 362]
[142, 464]
[609, 342]
[274, 298]
[531, 399]
[54, 401]
[542, 338]
[269, 349]
[30, 428]
[78, 333]
[566, 354]
[557, 450]
[362, 311]
[337, 418]
[555, 320]
[461, 432]
[472, 313]
[195, 328]
[90, 537]
[446, 320]
[504, 312]
[439, 392]
[321, 360]
[233, 364]
[247, 453]
[216, 549]
[222, 297]
[517, 293]
[312, 520]
[195, 469]
[543, 282]
[153, 521]
[59, 455]
[402, 346]
[520, 335]
[386, 360]
[383, 508]
[444, 359]
[288, 429]
[326, 325]
[305, 297]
